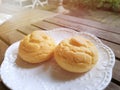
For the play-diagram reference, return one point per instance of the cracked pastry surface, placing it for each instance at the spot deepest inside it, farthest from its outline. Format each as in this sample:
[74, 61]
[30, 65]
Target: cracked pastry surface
[76, 54]
[36, 47]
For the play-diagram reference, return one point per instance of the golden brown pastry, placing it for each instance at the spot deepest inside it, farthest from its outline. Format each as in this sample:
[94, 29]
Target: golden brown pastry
[76, 54]
[36, 47]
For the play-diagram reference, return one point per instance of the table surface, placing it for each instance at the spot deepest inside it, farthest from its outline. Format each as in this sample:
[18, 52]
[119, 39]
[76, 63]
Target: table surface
[21, 25]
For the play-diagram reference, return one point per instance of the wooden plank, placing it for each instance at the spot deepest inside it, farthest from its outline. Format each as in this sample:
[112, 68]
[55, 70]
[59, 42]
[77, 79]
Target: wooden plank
[97, 15]
[116, 22]
[109, 19]
[3, 47]
[80, 27]
[27, 29]
[11, 36]
[112, 86]
[25, 17]
[31, 16]
[116, 70]
[114, 47]
[91, 23]
[45, 25]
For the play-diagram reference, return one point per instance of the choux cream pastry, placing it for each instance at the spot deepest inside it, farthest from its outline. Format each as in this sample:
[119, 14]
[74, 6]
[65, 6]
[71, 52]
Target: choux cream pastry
[36, 47]
[76, 54]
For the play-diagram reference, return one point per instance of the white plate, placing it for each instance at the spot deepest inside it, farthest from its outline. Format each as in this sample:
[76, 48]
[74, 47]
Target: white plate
[19, 75]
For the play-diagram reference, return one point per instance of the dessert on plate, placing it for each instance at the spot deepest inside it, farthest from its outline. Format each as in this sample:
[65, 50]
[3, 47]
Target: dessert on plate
[76, 54]
[36, 47]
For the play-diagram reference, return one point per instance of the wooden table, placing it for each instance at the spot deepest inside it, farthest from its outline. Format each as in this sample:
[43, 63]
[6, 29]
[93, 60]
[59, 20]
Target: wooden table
[19, 26]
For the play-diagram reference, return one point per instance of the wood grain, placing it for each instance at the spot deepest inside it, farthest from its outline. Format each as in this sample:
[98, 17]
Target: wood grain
[112, 86]
[11, 36]
[116, 70]
[25, 17]
[114, 47]
[45, 25]
[27, 29]
[3, 47]
[90, 23]
[80, 27]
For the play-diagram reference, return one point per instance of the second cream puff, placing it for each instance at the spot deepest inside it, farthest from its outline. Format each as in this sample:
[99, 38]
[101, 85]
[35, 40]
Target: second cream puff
[76, 54]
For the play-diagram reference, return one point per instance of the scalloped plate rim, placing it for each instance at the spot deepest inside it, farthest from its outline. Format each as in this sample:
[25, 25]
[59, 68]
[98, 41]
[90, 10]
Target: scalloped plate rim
[67, 29]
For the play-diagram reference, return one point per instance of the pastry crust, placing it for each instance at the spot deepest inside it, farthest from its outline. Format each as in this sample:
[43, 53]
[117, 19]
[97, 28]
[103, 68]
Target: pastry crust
[76, 54]
[36, 47]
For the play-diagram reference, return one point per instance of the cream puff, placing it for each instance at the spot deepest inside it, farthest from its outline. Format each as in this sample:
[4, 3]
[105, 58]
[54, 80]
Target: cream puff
[36, 47]
[76, 54]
